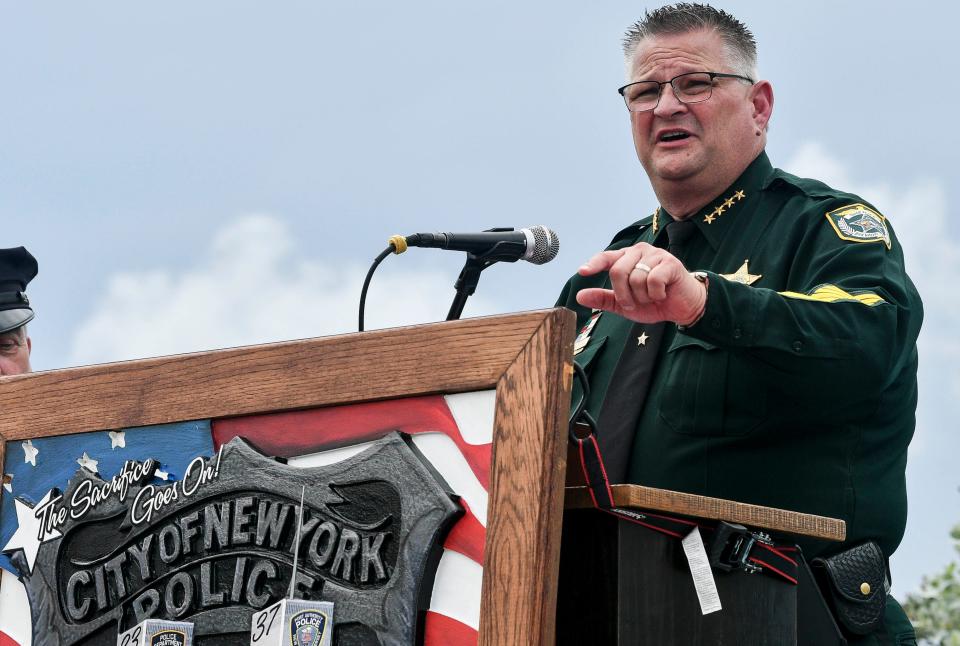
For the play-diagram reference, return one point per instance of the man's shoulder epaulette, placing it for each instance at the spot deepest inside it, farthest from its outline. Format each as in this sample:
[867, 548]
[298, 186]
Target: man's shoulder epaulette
[811, 187]
[850, 217]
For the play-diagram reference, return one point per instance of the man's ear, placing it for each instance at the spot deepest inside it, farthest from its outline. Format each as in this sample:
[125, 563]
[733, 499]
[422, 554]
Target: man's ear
[761, 95]
[29, 346]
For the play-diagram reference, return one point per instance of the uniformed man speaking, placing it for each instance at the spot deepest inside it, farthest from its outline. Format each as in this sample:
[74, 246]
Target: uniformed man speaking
[755, 337]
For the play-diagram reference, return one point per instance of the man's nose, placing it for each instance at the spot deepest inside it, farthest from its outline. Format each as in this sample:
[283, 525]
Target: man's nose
[669, 104]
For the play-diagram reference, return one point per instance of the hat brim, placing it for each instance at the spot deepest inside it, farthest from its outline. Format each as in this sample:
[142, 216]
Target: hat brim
[12, 319]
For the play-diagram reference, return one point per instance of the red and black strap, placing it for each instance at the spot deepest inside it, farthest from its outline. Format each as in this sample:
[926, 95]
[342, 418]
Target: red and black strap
[740, 548]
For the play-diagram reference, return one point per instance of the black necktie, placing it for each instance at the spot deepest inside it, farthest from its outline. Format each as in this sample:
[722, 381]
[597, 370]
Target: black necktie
[630, 381]
[679, 233]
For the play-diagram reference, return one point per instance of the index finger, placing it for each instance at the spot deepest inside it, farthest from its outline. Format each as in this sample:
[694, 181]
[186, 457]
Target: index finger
[600, 262]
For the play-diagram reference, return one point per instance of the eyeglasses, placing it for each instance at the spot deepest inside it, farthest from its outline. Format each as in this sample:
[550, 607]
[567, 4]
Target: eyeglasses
[692, 87]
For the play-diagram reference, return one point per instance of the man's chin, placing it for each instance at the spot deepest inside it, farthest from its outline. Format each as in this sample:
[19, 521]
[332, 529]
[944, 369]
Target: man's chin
[674, 165]
[676, 172]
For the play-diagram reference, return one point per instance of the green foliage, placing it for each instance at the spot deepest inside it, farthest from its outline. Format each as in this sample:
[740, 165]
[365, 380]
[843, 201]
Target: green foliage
[935, 609]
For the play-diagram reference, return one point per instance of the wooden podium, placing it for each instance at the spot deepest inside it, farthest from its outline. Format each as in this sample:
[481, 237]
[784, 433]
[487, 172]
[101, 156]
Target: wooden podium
[267, 394]
[524, 357]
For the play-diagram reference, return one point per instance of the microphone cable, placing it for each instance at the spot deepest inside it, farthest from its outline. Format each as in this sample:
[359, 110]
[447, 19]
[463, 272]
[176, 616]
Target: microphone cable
[398, 244]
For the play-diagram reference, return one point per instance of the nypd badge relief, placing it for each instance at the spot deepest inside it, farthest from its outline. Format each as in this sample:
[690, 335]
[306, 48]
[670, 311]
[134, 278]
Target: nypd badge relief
[383, 511]
[859, 223]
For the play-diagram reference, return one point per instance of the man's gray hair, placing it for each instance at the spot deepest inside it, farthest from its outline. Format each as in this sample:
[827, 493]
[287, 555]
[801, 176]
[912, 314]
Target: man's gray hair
[19, 332]
[684, 17]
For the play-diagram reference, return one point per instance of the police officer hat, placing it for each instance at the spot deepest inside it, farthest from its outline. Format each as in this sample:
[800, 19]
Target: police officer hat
[17, 268]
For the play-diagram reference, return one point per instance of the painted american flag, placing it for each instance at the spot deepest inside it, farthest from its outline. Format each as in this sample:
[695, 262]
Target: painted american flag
[454, 432]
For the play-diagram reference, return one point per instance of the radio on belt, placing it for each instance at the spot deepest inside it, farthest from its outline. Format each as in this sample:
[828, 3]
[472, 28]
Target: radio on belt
[157, 632]
[293, 621]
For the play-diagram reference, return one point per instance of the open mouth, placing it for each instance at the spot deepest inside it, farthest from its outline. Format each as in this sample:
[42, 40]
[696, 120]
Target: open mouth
[673, 135]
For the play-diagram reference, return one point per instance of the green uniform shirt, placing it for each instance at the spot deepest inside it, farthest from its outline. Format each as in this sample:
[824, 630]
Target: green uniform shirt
[797, 390]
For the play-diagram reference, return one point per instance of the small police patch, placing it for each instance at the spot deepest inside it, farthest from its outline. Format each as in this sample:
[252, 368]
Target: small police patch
[307, 627]
[169, 638]
[859, 223]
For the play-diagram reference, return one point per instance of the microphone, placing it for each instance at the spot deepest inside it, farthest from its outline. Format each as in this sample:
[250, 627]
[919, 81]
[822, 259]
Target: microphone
[537, 244]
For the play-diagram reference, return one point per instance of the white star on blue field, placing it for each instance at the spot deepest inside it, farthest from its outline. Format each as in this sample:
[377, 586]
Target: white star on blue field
[58, 459]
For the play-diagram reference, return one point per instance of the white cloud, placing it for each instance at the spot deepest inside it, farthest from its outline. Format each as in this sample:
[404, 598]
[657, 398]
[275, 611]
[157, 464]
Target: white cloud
[252, 286]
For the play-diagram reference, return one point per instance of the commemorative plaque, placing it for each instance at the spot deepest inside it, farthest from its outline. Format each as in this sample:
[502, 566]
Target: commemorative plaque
[218, 545]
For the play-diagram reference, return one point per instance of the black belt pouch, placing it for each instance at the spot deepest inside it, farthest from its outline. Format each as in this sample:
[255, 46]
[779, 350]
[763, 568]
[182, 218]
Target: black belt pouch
[852, 582]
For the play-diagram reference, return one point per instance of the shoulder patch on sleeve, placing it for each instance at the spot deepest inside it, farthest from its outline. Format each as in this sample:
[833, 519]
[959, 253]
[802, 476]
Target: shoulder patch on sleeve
[859, 223]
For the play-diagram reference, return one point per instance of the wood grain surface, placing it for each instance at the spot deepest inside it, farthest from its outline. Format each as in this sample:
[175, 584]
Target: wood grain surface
[526, 490]
[454, 357]
[687, 504]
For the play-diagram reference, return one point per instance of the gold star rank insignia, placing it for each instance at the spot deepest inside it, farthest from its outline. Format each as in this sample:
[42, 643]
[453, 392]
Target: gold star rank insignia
[642, 339]
[723, 207]
[743, 275]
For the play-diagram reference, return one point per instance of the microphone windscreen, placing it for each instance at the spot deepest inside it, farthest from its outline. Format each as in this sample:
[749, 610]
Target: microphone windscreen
[546, 245]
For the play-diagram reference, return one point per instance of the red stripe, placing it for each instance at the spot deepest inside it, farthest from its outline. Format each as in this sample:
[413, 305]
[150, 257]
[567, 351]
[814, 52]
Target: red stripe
[467, 536]
[671, 518]
[441, 630]
[586, 473]
[298, 432]
[6, 640]
[586, 477]
[603, 469]
[777, 570]
[640, 522]
[776, 551]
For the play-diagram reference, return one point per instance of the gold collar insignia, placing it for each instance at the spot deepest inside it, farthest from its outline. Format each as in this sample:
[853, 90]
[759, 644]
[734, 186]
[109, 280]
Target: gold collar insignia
[724, 206]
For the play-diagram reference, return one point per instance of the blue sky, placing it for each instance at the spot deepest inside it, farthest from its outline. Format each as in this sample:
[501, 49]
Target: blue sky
[199, 175]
